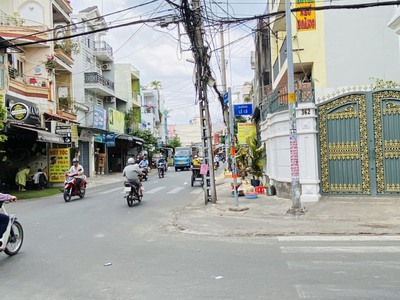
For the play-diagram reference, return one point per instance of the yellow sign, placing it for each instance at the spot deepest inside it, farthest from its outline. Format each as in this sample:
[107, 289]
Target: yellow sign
[116, 121]
[244, 131]
[74, 135]
[292, 98]
[306, 18]
[59, 164]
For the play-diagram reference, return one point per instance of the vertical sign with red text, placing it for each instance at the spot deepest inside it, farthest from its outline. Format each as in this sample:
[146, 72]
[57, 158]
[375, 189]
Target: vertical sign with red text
[306, 17]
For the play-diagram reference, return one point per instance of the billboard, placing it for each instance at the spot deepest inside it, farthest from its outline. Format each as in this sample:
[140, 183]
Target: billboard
[245, 130]
[116, 121]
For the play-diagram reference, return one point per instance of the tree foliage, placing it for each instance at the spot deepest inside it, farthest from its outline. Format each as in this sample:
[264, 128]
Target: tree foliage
[175, 142]
[150, 141]
[3, 114]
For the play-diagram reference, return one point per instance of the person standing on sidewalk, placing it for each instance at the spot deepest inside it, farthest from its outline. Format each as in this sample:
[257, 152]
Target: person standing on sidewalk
[20, 178]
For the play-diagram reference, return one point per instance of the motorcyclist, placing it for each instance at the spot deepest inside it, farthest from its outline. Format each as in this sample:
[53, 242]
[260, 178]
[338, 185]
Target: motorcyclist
[133, 174]
[162, 160]
[4, 219]
[144, 163]
[76, 168]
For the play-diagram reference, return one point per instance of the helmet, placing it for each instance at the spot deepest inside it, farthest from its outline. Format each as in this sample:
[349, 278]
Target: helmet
[131, 161]
[75, 160]
[195, 156]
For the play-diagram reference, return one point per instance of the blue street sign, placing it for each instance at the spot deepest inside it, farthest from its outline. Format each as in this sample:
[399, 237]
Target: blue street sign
[226, 98]
[242, 109]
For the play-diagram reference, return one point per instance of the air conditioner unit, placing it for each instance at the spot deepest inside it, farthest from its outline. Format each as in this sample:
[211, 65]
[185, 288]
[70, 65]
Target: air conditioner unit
[109, 99]
[106, 67]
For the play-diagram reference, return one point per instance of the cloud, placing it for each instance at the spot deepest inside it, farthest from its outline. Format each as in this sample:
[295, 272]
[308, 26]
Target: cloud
[155, 52]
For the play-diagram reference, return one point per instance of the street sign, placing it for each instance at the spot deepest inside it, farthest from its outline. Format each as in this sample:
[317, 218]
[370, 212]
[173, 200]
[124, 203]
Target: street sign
[226, 98]
[65, 132]
[242, 109]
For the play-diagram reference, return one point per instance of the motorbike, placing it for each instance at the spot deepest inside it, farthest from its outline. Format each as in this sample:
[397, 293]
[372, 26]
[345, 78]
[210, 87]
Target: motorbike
[14, 235]
[161, 169]
[131, 193]
[71, 188]
[145, 171]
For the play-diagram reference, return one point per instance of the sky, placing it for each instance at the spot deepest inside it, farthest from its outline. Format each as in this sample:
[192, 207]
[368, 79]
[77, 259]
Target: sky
[163, 54]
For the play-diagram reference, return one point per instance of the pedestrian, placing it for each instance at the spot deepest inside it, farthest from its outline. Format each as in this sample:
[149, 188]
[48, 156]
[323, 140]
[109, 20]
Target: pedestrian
[21, 177]
[40, 180]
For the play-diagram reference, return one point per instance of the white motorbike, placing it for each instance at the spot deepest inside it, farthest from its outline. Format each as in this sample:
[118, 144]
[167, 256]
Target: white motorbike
[14, 235]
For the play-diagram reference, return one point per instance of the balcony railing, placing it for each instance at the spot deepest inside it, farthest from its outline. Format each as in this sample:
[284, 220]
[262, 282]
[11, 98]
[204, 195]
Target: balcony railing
[277, 100]
[96, 78]
[103, 48]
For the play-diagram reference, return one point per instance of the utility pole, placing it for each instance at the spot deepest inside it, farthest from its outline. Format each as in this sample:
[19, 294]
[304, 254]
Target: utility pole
[294, 155]
[224, 90]
[202, 81]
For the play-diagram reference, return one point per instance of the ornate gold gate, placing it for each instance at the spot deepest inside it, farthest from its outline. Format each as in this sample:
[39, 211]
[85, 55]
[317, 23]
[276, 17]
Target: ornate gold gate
[359, 139]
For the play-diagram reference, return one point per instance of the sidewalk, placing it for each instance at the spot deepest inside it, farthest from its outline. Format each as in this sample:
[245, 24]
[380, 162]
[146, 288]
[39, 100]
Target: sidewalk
[266, 215]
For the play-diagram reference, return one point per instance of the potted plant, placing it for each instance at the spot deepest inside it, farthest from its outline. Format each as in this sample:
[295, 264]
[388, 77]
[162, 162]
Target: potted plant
[257, 158]
[242, 161]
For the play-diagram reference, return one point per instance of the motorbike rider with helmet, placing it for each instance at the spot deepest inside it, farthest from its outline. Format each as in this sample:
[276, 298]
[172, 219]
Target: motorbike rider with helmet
[133, 174]
[76, 168]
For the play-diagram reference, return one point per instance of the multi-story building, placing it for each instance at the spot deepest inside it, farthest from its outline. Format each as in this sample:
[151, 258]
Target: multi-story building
[36, 82]
[151, 114]
[337, 66]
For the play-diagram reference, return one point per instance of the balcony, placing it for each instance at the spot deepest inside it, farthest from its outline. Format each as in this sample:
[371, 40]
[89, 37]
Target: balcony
[65, 5]
[277, 100]
[103, 51]
[99, 84]
[136, 99]
[29, 86]
[278, 22]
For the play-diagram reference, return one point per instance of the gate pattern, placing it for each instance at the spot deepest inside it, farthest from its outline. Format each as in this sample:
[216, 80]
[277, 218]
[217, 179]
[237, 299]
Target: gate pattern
[359, 139]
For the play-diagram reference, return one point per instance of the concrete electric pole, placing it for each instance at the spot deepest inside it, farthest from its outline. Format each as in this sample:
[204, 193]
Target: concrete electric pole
[294, 156]
[202, 81]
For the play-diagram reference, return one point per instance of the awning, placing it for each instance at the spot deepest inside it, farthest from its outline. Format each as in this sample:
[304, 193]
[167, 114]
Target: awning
[130, 138]
[59, 118]
[43, 136]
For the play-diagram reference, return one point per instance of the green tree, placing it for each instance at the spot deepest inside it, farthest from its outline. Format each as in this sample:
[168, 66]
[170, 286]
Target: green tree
[150, 141]
[175, 142]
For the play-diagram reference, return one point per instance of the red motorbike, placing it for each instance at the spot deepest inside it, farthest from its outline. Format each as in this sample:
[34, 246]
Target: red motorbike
[71, 187]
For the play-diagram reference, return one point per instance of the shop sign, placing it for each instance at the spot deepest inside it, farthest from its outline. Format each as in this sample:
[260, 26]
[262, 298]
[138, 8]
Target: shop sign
[306, 18]
[99, 138]
[86, 135]
[116, 121]
[22, 111]
[99, 117]
[74, 134]
[110, 139]
[65, 132]
[59, 164]
[244, 131]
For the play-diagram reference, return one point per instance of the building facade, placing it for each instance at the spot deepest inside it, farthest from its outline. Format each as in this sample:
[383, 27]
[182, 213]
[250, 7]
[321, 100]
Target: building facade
[332, 61]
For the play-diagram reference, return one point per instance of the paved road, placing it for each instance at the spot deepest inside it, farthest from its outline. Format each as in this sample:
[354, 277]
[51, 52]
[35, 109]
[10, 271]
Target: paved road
[99, 248]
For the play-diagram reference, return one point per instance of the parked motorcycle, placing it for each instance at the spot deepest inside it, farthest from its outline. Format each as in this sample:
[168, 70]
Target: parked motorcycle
[161, 169]
[14, 235]
[131, 193]
[71, 188]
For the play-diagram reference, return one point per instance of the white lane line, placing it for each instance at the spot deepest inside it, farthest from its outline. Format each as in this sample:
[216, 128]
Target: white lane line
[197, 191]
[155, 190]
[112, 190]
[175, 190]
[361, 249]
[337, 238]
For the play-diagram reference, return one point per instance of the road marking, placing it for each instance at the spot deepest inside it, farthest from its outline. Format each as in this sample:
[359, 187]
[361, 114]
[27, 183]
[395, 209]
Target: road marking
[175, 190]
[155, 190]
[112, 190]
[361, 249]
[337, 238]
[197, 191]
[342, 266]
